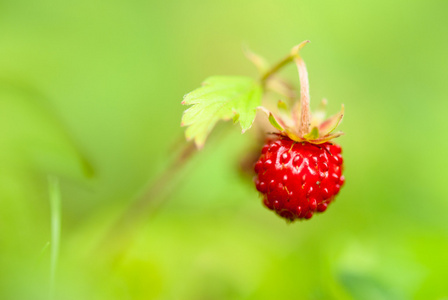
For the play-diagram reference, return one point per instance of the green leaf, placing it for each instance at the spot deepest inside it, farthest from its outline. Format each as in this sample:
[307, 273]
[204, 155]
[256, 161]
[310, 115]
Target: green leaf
[220, 98]
[32, 132]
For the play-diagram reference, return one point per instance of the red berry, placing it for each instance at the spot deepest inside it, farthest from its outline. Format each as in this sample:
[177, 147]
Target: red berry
[298, 179]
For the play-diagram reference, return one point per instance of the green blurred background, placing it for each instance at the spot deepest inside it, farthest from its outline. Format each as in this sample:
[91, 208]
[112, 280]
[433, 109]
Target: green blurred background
[90, 92]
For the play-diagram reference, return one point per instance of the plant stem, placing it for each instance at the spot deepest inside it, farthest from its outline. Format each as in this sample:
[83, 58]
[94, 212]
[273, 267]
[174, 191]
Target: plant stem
[55, 208]
[286, 60]
[304, 122]
[146, 203]
[276, 68]
[305, 116]
[123, 230]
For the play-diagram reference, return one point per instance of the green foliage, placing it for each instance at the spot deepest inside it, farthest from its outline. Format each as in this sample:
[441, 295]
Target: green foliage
[111, 73]
[220, 98]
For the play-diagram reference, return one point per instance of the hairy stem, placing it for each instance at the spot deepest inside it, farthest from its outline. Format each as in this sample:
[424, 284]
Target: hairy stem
[286, 60]
[304, 122]
[122, 229]
[276, 68]
[305, 116]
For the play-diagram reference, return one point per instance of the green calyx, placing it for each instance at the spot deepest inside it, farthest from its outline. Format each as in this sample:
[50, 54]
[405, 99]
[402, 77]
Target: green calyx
[320, 131]
[298, 123]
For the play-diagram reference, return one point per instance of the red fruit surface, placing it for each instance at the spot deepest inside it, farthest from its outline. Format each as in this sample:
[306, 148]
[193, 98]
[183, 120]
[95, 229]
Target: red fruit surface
[298, 179]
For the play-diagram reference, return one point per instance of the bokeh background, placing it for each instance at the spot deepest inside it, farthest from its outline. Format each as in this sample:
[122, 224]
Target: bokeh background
[90, 93]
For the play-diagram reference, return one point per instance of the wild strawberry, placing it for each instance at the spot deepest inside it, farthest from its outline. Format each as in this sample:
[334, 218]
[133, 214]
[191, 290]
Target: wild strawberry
[300, 172]
[298, 179]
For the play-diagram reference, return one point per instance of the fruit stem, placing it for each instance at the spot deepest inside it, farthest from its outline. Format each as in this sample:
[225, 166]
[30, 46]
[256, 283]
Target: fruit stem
[305, 115]
[275, 68]
[286, 60]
